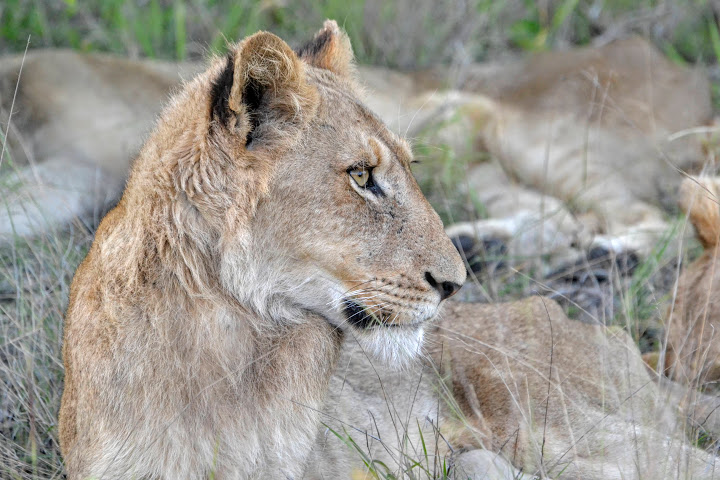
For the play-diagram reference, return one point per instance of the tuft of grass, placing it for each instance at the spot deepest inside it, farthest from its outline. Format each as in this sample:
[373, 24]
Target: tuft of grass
[34, 287]
[417, 463]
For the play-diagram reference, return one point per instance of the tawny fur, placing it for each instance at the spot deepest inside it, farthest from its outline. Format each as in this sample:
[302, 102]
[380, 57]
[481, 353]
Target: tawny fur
[693, 354]
[513, 382]
[586, 143]
[77, 121]
[206, 320]
[560, 398]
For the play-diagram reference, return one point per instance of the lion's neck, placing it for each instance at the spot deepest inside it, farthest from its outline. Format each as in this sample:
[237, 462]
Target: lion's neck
[232, 386]
[280, 391]
[285, 359]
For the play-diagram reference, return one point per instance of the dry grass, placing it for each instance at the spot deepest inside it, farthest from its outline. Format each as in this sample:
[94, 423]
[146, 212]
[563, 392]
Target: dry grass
[34, 286]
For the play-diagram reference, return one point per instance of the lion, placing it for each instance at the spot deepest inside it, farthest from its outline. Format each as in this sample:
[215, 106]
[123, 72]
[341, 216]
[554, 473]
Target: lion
[586, 145]
[693, 350]
[73, 124]
[204, 324]
[259, 305]
[523, 392]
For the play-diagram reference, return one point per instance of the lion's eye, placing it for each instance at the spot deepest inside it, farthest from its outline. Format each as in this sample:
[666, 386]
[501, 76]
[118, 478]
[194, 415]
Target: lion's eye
[361, 176]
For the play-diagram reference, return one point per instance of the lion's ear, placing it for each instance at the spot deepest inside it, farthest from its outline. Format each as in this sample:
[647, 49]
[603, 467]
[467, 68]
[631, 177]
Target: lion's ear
[329, 49]
[263, 82]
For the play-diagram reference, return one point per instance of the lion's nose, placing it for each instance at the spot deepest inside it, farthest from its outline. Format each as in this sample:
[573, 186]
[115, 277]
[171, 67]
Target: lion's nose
[446, 289]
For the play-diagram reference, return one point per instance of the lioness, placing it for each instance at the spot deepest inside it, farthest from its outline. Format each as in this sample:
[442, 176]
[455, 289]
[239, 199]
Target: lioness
[693, 354]
[270, 257]
[206, 320]
[73, 123]
[587, 145]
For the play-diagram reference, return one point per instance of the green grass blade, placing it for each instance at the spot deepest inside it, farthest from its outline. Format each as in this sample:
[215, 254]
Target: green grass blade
[714, 39]
[564, 11]
[180, 17]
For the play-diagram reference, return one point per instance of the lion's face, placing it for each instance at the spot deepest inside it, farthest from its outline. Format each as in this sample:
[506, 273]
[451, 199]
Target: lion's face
[342, 228]
[349, 226]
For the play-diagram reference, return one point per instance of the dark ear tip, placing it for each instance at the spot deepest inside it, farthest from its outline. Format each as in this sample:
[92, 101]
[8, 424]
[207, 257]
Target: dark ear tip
[329, 49]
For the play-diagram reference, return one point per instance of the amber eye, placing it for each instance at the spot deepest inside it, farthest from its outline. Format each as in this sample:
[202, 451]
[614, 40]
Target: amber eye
[360, 175]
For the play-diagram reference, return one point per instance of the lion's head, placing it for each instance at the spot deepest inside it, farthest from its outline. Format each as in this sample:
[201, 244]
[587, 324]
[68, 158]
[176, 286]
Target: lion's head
[301, 196]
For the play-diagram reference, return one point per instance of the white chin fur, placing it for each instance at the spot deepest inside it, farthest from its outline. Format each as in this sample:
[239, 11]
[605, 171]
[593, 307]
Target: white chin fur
[394, 347]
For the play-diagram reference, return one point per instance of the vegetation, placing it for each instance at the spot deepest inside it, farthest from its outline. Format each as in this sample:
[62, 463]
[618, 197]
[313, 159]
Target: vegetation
[401, 33]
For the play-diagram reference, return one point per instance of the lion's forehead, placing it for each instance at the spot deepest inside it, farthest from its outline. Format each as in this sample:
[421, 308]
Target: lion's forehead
[342, 108]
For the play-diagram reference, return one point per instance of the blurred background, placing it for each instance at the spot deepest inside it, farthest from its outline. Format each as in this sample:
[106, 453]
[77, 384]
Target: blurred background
[405, 33]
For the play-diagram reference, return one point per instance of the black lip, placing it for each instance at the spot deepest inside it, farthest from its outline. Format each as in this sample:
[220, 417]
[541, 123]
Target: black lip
[357, 316]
